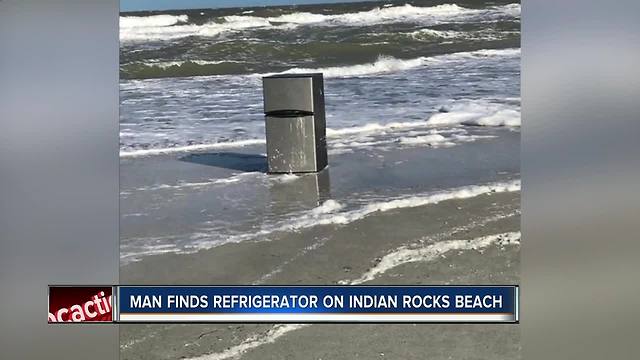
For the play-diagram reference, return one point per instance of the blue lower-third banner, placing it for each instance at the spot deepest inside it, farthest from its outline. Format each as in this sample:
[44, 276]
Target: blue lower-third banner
[311, 304]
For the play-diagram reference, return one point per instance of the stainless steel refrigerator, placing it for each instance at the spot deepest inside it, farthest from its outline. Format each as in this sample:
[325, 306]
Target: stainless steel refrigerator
[295, 123]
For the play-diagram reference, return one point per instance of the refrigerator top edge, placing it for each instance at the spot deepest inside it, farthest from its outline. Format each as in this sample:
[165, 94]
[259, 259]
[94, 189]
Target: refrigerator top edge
[286, 76]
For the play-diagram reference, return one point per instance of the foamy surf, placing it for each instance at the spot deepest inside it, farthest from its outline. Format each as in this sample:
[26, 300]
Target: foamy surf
[389, 64]
[409, 254]
[426, 139]
[403, 13]
[376, 135]
[397, 136]
[168, 64]
[252, 342]
[473, 223]
[390, 14]
[484, 35]
[128, 22]
[195, 100]
[398, 257]
[147, 136]
[329, 213]
[374, 128]
[339, 143]
[334, 213]
[181, 185]
[169, 27]
[383, 141]
[477, 113]
[150, 250]
[190, 148]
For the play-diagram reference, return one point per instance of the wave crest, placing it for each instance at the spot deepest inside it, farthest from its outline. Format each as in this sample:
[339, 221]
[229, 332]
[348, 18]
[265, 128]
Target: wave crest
[388, 64]
[402, 13]
[168, 27]
[128, 22]
[172, 27]
[162, 69]
[477, 113]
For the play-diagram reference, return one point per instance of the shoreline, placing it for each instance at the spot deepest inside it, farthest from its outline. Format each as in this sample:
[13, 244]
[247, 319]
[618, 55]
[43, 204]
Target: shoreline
[454, 240]
[348, 255]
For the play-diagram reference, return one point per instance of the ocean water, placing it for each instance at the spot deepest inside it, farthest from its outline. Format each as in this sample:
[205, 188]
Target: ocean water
[412, 76]
[193, 78]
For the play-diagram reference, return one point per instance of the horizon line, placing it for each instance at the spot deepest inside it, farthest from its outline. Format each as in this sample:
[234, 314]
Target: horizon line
[320, 2]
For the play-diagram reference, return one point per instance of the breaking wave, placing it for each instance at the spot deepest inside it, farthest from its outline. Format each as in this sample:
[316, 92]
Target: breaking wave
[383, 65]
[332, 212]
[183, 68]
[403, 13]
[168, 27]
[388, 64]
[128, 22]
[171, 28]
[477, 113]
[486, 35]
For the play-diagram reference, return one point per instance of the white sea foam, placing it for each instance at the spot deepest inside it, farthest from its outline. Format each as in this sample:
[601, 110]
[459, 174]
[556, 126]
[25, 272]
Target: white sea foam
[330, 212]
[165, 30]
[334, 213]
[435, 139]
[168, 64]
[284, 178]
[384, 64]
[149, 250]
[427, 199]
[374, 127]
[514, 9]
[403, 13]
[513, 52]
[252, 342]
[128, 22]
[134, 215]
[474, 55]
[167, 27]
[473, 223]
[392, 137]
[411, 133]
[464, 112]
[477, 112]
[190, 148]
[389, 64]
[401, 256]
[445, 34]
[235, 178]
[372, 135]
[489, 34]
[328, 207]
[409, 254]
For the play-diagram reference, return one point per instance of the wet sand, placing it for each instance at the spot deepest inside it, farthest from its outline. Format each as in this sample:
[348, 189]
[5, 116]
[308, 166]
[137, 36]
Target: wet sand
[415, 244]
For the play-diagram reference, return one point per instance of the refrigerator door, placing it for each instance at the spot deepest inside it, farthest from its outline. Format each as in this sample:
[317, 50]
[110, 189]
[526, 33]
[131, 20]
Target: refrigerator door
[291, 145]
[288, 94]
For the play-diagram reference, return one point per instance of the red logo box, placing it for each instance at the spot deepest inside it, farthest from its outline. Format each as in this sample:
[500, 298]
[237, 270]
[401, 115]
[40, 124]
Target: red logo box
[70, 304]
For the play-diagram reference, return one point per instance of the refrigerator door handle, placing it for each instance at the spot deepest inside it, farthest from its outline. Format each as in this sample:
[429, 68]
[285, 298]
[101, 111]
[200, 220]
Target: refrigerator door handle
[288, 113]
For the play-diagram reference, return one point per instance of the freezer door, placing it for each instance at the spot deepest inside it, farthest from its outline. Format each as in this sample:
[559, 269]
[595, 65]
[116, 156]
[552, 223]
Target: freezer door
[293, 94]
[291, 144]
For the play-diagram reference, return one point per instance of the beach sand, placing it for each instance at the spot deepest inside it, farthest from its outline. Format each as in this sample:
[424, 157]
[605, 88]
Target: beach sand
[278, 238]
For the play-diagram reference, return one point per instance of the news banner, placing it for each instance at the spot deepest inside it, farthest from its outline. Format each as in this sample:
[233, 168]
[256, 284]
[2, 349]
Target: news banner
[283, 304]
